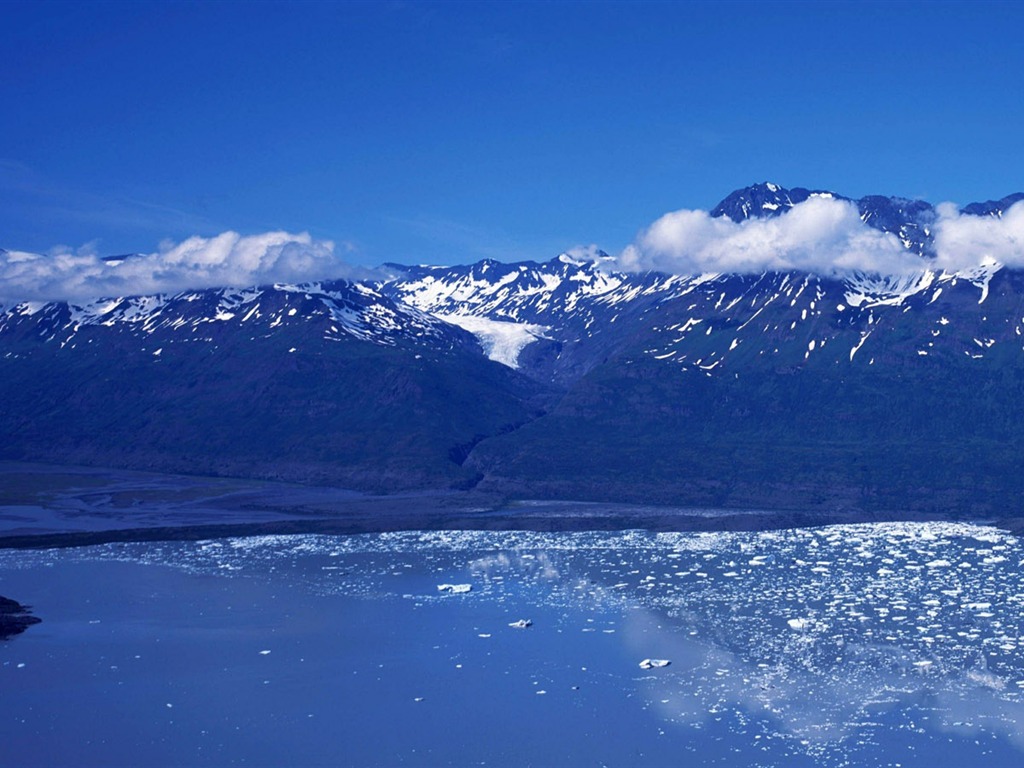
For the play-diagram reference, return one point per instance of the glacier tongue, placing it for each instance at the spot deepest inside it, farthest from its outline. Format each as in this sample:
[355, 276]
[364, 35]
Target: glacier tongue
[502, 340]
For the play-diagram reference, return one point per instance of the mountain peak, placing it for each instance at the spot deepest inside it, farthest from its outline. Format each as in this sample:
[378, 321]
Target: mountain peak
[762, 200]
[993, 207]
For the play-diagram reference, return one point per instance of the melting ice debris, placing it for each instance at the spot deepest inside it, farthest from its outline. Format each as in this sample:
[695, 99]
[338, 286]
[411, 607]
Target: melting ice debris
[521, 624]
[455, 589]
[908, 620]
[654, 663]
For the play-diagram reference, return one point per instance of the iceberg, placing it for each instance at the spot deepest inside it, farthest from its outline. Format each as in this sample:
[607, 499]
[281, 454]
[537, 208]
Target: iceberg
[455, 589]
[654, 663]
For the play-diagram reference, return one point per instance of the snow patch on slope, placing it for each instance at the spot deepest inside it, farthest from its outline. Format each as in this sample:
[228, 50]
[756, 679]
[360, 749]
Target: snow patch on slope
[872, 289]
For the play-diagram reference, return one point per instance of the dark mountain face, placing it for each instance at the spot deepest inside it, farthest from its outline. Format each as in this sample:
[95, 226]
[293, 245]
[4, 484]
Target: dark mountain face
[564, 378]
[765, 200]
[993, 207]
[909, 220]
[785, 400]
[333, 384]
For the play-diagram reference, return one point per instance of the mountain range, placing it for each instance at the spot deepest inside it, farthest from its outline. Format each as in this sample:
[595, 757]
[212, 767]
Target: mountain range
[569, 378]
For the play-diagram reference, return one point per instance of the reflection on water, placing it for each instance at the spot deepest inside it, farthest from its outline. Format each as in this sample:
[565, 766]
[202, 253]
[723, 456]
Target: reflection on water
[866, 644]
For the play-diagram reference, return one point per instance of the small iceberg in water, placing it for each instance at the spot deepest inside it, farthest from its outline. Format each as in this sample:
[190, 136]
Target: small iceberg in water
[455, 589]
[654, 663]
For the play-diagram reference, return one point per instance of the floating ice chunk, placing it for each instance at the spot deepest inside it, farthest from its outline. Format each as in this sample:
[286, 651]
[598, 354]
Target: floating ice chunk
[654, 663]
[939, 564]
[799, 624]
[264, 653]
[521, 624]
[455, 589]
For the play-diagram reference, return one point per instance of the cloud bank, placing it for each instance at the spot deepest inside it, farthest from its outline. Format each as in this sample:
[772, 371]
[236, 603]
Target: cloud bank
[822, 236]
[229, 259]
[963, 241]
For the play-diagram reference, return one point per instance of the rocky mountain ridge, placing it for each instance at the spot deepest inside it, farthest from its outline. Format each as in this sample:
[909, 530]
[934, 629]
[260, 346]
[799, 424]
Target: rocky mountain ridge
[569, 378]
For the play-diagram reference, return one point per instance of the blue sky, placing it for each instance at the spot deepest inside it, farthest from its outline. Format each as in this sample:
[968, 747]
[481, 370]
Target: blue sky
[449, 132]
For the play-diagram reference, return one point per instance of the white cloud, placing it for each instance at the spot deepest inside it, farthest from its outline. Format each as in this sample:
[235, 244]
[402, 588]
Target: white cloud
[229, 259]
[586, 253]
[819, 235]
[963, 241]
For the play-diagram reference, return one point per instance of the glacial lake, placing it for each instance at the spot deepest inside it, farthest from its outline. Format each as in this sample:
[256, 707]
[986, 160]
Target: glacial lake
[878, 644]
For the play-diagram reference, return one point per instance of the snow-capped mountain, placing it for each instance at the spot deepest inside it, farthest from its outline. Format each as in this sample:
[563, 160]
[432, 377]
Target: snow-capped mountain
[555, 320]
[993, 207]
[314, 312]
[552, 319]
[328, 382]
[909, 220]
[565, 378]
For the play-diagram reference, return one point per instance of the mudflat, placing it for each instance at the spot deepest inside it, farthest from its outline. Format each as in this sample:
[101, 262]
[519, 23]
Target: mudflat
[45, 505]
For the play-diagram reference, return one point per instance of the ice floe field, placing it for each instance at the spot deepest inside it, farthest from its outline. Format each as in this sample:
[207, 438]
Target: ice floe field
[876, 644]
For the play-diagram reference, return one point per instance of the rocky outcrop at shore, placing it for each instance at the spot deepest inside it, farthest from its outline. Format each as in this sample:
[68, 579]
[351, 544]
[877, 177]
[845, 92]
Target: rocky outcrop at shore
[14, 618]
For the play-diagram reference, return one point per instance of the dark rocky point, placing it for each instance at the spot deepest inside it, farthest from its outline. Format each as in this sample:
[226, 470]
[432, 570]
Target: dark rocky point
[14, 618]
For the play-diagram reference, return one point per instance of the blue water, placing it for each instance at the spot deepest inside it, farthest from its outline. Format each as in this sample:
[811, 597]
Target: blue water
[850, 645]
